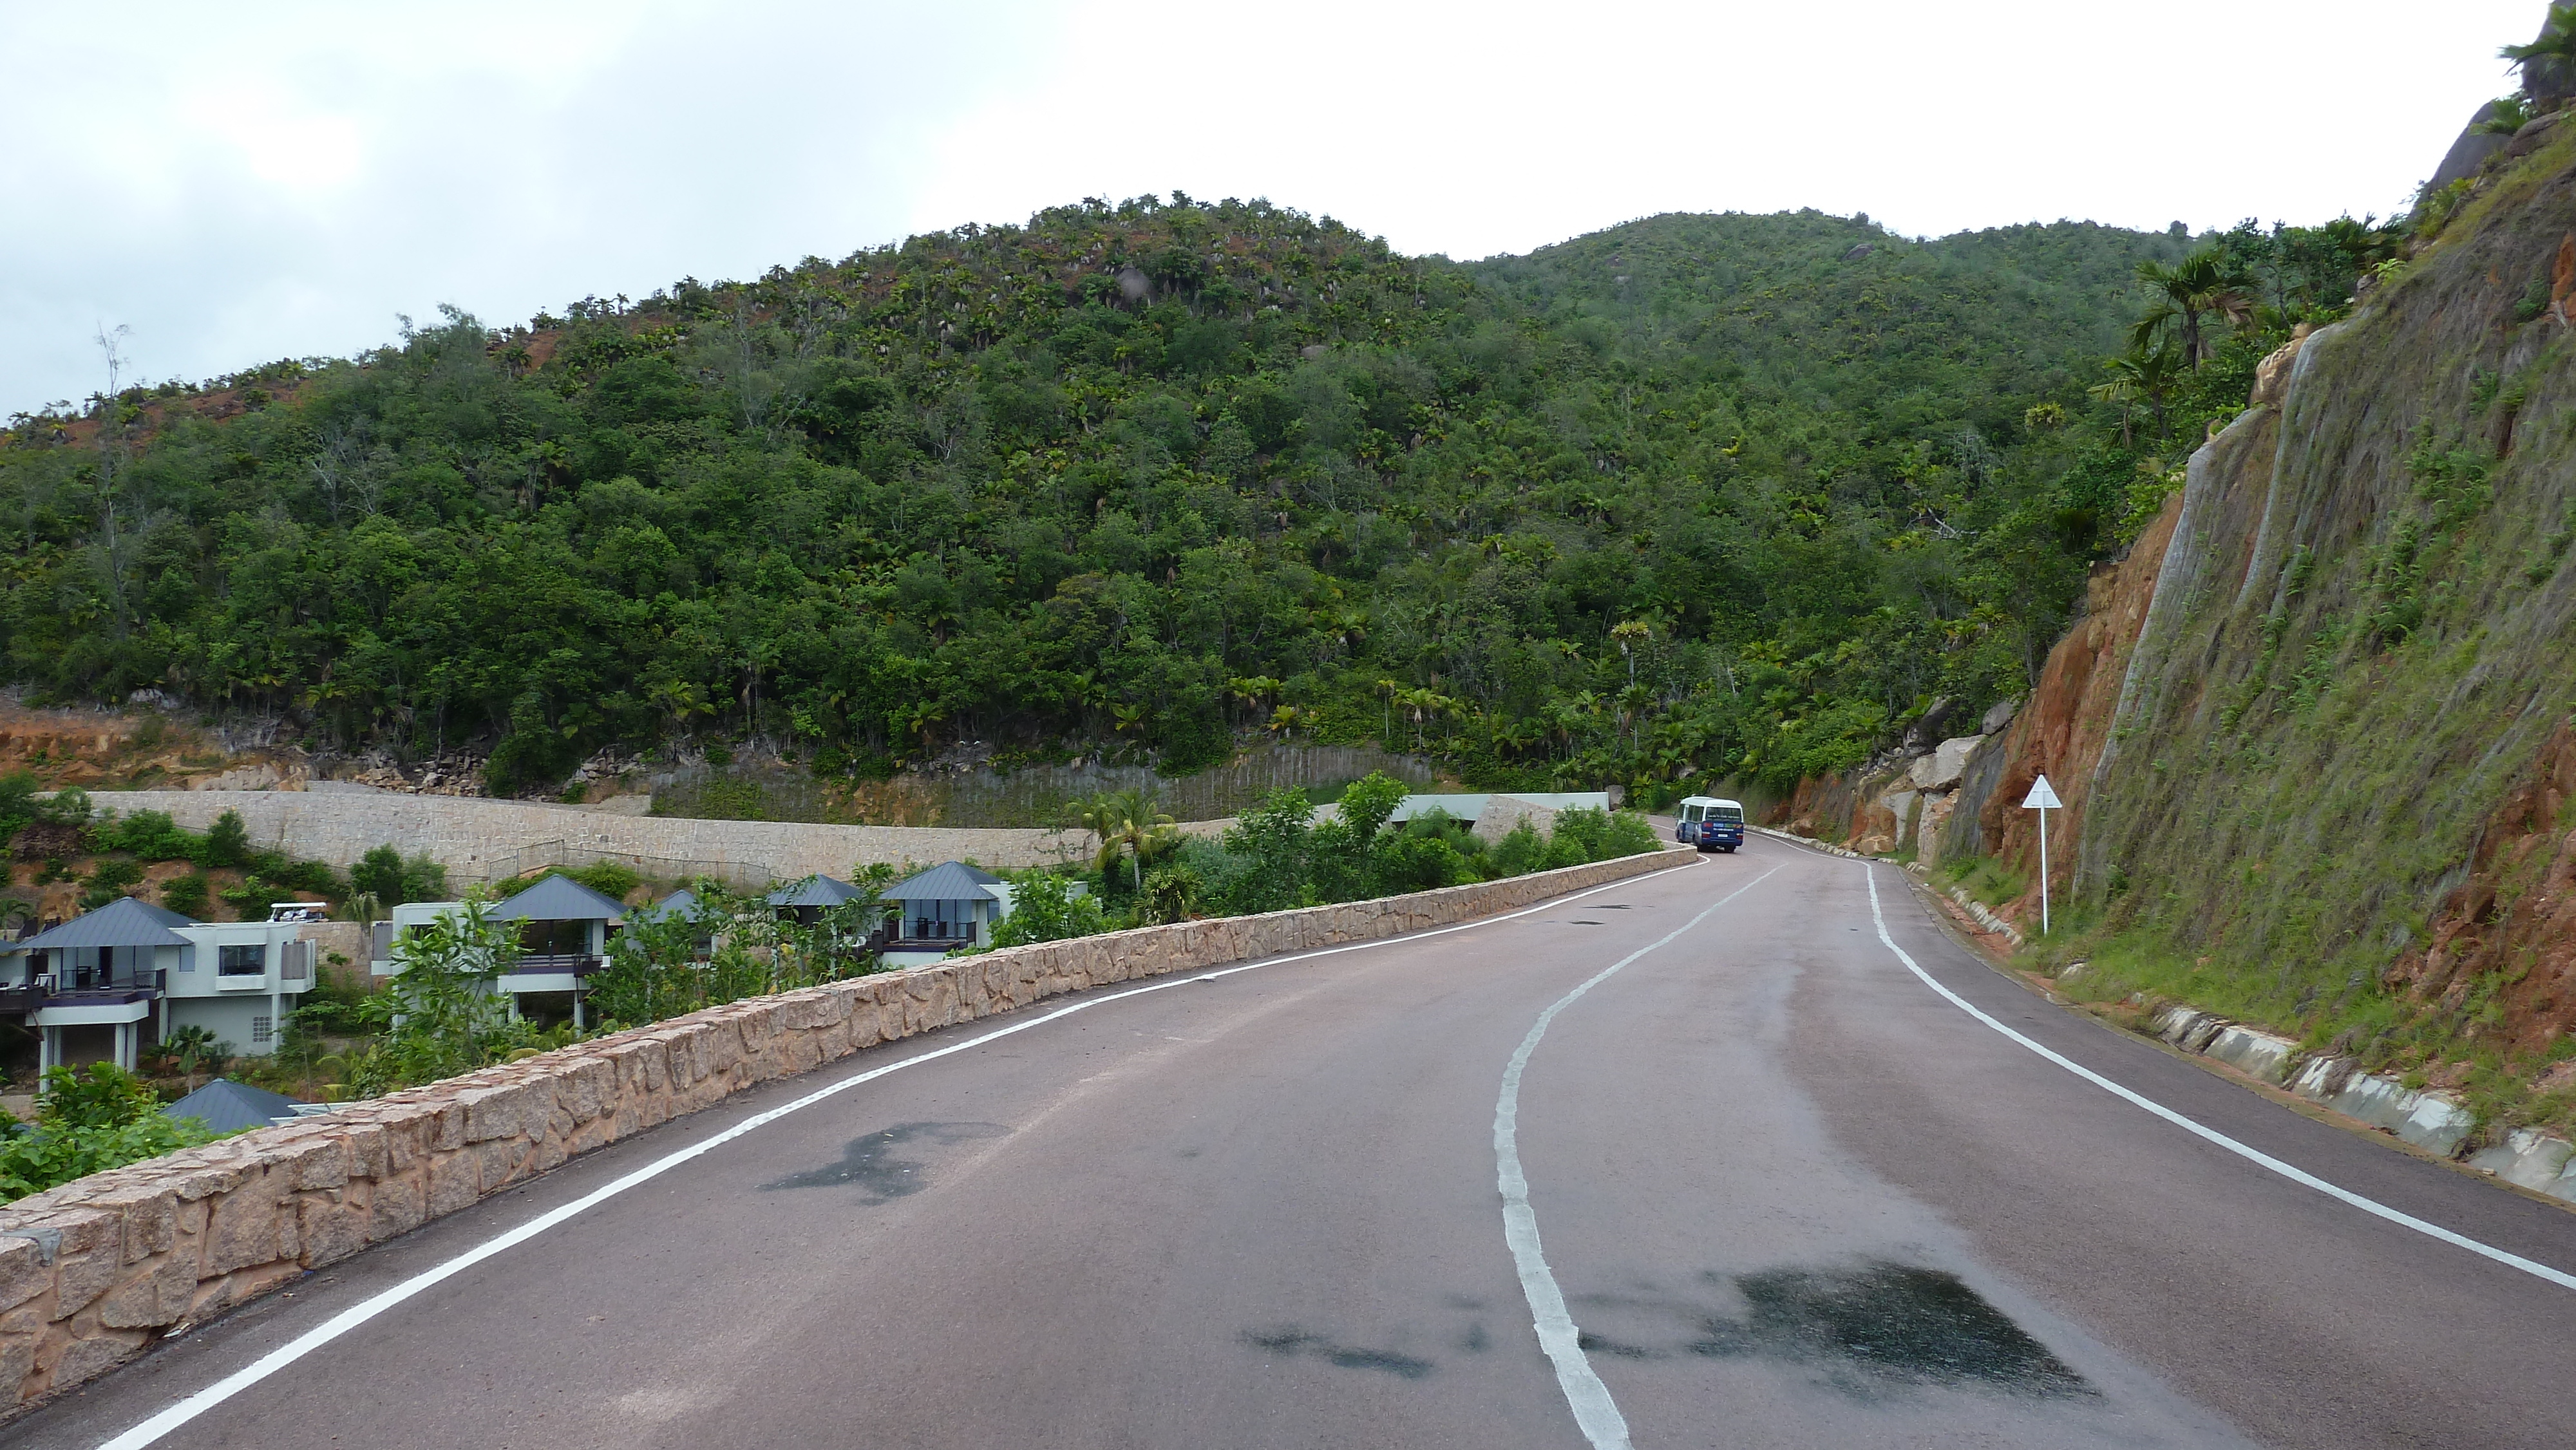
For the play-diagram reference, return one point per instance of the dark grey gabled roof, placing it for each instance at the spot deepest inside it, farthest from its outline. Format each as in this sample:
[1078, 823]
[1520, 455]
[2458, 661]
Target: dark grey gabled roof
[814, 891]
[227, 1106]
[559, 898]
[124, 922]
[947, 881]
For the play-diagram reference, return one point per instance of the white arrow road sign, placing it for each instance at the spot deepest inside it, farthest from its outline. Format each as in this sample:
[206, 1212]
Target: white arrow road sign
[2043, 799]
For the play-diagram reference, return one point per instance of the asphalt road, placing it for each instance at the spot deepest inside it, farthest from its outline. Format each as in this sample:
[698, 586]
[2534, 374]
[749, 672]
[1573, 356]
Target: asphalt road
[1791, 1196]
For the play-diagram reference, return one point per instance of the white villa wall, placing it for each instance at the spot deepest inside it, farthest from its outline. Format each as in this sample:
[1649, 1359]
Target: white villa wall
[228, 1017]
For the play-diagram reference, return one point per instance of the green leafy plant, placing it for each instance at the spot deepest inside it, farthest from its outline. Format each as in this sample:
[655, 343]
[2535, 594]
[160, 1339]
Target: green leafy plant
[392, 879]
[1044, 908]
[441, 1013]
[2505, 115]
[609, 878]
[108, 879]
[89, 1119]
[187, 895]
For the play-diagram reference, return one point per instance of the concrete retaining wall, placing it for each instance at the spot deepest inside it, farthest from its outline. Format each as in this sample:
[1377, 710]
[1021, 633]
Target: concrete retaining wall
[484, 840]
[96, 1270]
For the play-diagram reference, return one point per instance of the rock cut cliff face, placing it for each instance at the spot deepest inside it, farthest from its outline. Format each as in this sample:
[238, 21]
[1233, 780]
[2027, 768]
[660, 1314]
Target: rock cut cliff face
[2347, 697]
[2317, 733]
[2062, 728]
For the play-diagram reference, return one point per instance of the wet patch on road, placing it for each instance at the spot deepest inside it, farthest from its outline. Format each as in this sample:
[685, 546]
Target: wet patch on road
[1591, 1343]
[1865, 1330]
[880, 1166]
[1886, 1323]
[1302, 1343]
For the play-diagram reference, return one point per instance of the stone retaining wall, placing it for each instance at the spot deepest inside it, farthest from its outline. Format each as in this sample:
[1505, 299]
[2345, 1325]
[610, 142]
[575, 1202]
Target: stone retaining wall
[95, 1271]
[482, 840]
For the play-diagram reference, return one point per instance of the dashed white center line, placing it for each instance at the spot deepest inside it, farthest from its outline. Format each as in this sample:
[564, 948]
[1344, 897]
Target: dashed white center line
[1595, 1412]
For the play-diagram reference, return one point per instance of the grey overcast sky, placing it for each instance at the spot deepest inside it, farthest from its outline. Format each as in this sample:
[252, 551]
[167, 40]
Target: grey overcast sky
[247, 181]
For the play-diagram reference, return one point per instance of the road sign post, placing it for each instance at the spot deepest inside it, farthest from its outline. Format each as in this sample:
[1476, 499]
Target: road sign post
[2043, 799]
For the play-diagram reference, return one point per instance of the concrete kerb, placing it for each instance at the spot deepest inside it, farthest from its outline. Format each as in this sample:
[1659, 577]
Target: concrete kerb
[1985, 916]
[96, 1270]
[1810, 842]
[2430, 1119]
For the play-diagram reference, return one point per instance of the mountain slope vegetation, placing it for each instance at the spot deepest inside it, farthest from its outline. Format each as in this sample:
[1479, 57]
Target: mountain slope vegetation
[1692, 498]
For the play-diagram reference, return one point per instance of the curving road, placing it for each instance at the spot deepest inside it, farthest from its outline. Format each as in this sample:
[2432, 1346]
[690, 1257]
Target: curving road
[1784, 1191]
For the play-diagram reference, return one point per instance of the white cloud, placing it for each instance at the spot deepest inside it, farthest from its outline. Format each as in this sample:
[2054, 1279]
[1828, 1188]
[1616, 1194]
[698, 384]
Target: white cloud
[241, 183]
[1510, 126]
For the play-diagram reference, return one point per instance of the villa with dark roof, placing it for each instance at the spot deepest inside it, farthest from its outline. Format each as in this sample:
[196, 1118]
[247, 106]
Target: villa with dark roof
[101, 986]
[564, 929]
[949, 906]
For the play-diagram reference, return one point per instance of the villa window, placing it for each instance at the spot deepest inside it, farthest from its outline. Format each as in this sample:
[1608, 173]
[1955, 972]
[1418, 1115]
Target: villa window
[259, 1029]
[554, 939]
[242, 961]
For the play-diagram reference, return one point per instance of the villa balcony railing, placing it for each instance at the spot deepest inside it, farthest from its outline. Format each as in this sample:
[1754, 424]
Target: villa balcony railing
[555, 963]
[110, 996]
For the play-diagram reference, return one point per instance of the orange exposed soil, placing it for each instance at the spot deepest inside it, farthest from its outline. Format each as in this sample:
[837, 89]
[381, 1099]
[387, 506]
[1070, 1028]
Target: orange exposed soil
[2513, 921]
[99, 748]
[2062, 728]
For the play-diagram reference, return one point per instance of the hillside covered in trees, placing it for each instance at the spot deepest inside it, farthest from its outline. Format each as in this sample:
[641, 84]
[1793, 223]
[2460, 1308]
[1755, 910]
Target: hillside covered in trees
[1693, 498]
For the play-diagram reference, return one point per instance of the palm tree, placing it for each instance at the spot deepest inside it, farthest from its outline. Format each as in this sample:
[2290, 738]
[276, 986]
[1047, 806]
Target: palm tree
[1421, 704]
[2158, 374]
[1632, 706]
[2121, 389]
[2505, 115]
[2196, 287]
[1253, 690]
[1140, 831]
[190, 1046]
[2553, 51]
[920, 718]
[1127, 825]
[2140, 373]
[1627, 633]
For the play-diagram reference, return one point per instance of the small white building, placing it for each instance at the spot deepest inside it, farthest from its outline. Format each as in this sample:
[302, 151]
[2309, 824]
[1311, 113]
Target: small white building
[1473, 808]
[130, 973]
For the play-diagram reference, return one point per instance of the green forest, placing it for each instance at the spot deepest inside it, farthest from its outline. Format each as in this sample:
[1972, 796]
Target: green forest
[1692, 499]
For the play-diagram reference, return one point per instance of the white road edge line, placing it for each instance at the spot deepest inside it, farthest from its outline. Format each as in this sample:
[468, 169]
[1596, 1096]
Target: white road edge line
[188, 1409]
[2254, 1155]
[1595, 1412]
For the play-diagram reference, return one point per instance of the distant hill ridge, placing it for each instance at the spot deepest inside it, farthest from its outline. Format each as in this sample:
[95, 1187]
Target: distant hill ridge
[1145, 479]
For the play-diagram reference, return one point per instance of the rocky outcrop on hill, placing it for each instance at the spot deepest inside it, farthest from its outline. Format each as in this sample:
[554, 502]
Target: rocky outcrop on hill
[1903, 801]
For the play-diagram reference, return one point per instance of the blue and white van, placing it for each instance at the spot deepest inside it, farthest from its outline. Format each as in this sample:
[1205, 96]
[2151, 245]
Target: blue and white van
[1710, 824]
